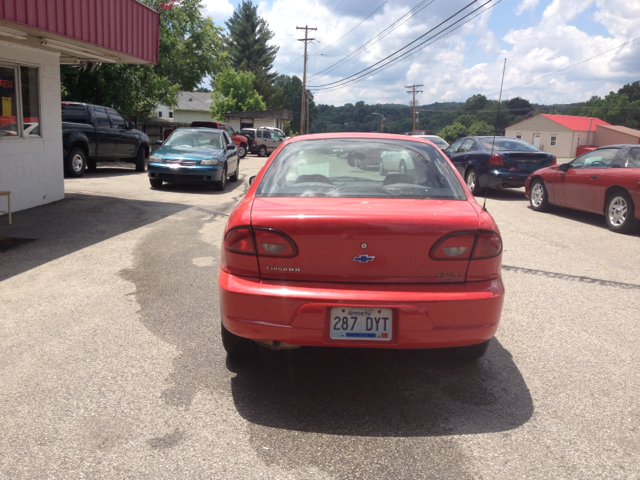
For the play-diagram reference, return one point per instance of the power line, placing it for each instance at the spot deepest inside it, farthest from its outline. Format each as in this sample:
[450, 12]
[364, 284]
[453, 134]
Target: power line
[417, 9]
[437, 36]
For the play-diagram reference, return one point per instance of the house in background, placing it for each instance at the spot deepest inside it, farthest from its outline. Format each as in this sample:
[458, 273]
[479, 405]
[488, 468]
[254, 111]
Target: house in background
[191, 106]
[36, 37]
[557, 134]
[256, 119]
[615, 134]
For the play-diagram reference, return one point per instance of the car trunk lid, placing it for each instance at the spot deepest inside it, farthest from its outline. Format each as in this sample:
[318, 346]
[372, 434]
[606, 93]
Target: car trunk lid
[363, 239]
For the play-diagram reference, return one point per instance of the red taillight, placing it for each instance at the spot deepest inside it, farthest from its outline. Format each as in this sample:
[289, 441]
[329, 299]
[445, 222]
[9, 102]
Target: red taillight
[495, 160]
[240, 240]
[255, 141]
[554, 161]
[274, 243]
[488, 245]
[464, 245]
[456, 246]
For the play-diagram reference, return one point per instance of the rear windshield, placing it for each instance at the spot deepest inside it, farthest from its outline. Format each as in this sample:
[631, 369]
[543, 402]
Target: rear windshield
[366, 168]
[74, 113]
[507, 144]
[194, 139]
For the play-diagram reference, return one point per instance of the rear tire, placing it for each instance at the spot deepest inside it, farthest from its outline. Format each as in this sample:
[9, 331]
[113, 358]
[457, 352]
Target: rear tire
[262, 151]
[473, 182]
[155, 182]
[140, 163]
[470, 352]
[620, 212]
[236, 346]
[538, 198]
[76, 163]
[242, 150]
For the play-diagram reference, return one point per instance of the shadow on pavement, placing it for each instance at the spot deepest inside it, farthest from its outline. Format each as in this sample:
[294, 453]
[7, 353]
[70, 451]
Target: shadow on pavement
[382, 393]
[72, 224]
[503, 195]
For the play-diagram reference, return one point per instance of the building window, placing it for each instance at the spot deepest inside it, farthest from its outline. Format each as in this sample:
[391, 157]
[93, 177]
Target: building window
[19, 101]
[170, 114]
[159, 114]
[519, 136]
[553, 140]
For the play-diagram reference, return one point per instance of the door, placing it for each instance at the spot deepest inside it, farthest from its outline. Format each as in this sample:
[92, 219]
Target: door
[107, 136]
[536, 140]
[580, 186]
[463, 156]
[231, 155]
[127, 139]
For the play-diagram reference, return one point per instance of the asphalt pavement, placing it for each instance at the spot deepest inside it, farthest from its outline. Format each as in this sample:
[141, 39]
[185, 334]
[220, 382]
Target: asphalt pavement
[111, 365]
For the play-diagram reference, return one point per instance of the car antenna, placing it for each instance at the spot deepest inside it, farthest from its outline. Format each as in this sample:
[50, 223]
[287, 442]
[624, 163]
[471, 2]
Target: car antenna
[493, 144]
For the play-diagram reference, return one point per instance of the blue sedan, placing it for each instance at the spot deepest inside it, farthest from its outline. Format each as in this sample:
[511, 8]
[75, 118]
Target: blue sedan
[199, 155]
[496, 161]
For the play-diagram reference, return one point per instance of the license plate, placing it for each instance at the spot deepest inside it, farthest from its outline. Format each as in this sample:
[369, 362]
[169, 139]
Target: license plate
[527, 167]
[361, 323]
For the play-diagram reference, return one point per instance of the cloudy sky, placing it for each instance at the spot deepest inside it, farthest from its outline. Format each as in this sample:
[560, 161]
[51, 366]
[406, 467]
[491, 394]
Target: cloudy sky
[537, 37]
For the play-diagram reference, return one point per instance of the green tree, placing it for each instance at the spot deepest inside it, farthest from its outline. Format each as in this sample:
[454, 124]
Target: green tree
[191, 48]
[233, 92]
[248, 49]
[291, 88]
[453, 132]
[480, 128]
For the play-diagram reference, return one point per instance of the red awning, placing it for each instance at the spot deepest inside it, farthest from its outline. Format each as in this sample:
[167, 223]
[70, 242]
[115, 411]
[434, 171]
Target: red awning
[127, 28]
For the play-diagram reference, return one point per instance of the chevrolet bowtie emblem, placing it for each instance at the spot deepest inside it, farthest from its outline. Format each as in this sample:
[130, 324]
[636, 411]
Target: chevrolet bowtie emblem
[364, 258]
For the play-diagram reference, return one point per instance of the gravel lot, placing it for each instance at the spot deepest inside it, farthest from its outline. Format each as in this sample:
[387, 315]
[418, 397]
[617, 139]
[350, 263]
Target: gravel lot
[112, 367]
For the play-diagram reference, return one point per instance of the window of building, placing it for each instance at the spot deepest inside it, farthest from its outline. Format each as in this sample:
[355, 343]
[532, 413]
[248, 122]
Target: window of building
[519, 135]
[19, 101]
[553, 140]
[170, 114]
[160, 114]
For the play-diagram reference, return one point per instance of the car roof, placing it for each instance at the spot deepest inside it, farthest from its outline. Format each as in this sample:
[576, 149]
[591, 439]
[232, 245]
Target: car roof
[357, 135]
[197, 129]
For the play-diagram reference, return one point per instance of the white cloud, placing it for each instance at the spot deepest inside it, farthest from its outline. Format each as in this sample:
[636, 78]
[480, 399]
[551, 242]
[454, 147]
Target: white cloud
[469, 60]
[218, 10]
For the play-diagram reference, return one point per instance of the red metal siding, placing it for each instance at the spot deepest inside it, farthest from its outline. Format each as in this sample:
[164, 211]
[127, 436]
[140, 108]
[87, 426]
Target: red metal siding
[123, 26]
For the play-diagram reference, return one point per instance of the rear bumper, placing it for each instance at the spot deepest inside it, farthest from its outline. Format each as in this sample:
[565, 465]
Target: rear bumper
[498, 178]
[298, 313]
[197, 173]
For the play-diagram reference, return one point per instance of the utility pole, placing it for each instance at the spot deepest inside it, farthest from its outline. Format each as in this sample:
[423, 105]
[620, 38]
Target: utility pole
[381, 121]
[413, 102]
[306, 41]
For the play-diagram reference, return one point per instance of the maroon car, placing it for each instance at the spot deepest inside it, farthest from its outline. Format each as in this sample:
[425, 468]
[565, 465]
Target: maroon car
[604, 181]
[240, 140]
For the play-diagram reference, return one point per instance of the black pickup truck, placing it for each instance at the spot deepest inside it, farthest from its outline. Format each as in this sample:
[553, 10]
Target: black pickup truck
[91, 133]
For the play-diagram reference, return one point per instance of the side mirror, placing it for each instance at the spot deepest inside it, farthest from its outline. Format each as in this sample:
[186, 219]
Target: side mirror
[251, 179]
[231, 147]
[565, 166]
[159, 142]
[131, 126]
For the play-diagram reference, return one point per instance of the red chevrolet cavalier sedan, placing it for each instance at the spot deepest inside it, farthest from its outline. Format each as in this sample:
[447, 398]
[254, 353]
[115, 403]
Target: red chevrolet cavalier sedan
[322, 251]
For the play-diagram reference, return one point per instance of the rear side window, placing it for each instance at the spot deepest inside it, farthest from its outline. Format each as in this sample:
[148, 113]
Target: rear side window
[74, 113]
[259, 133]
[101, 117]
[634, 158]
[366, 168]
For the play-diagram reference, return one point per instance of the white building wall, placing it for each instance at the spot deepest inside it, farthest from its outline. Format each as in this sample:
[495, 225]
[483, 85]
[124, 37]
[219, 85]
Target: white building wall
[188, 116]
[31, 168]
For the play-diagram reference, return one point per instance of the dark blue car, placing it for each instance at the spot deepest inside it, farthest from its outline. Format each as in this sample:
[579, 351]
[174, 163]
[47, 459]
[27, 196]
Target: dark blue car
[199, 155]
[496, 161]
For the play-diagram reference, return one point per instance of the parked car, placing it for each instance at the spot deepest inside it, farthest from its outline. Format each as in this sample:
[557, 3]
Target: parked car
[604, 181]
[440, 142]
[92, 133]
[241, 141]
[496, 161]
[322, 253]
[277, 131]
[264, 142]
[196, 155]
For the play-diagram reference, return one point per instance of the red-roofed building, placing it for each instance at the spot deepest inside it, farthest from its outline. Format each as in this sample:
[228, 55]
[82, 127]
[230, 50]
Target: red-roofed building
[557, 134]
[36, 37]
